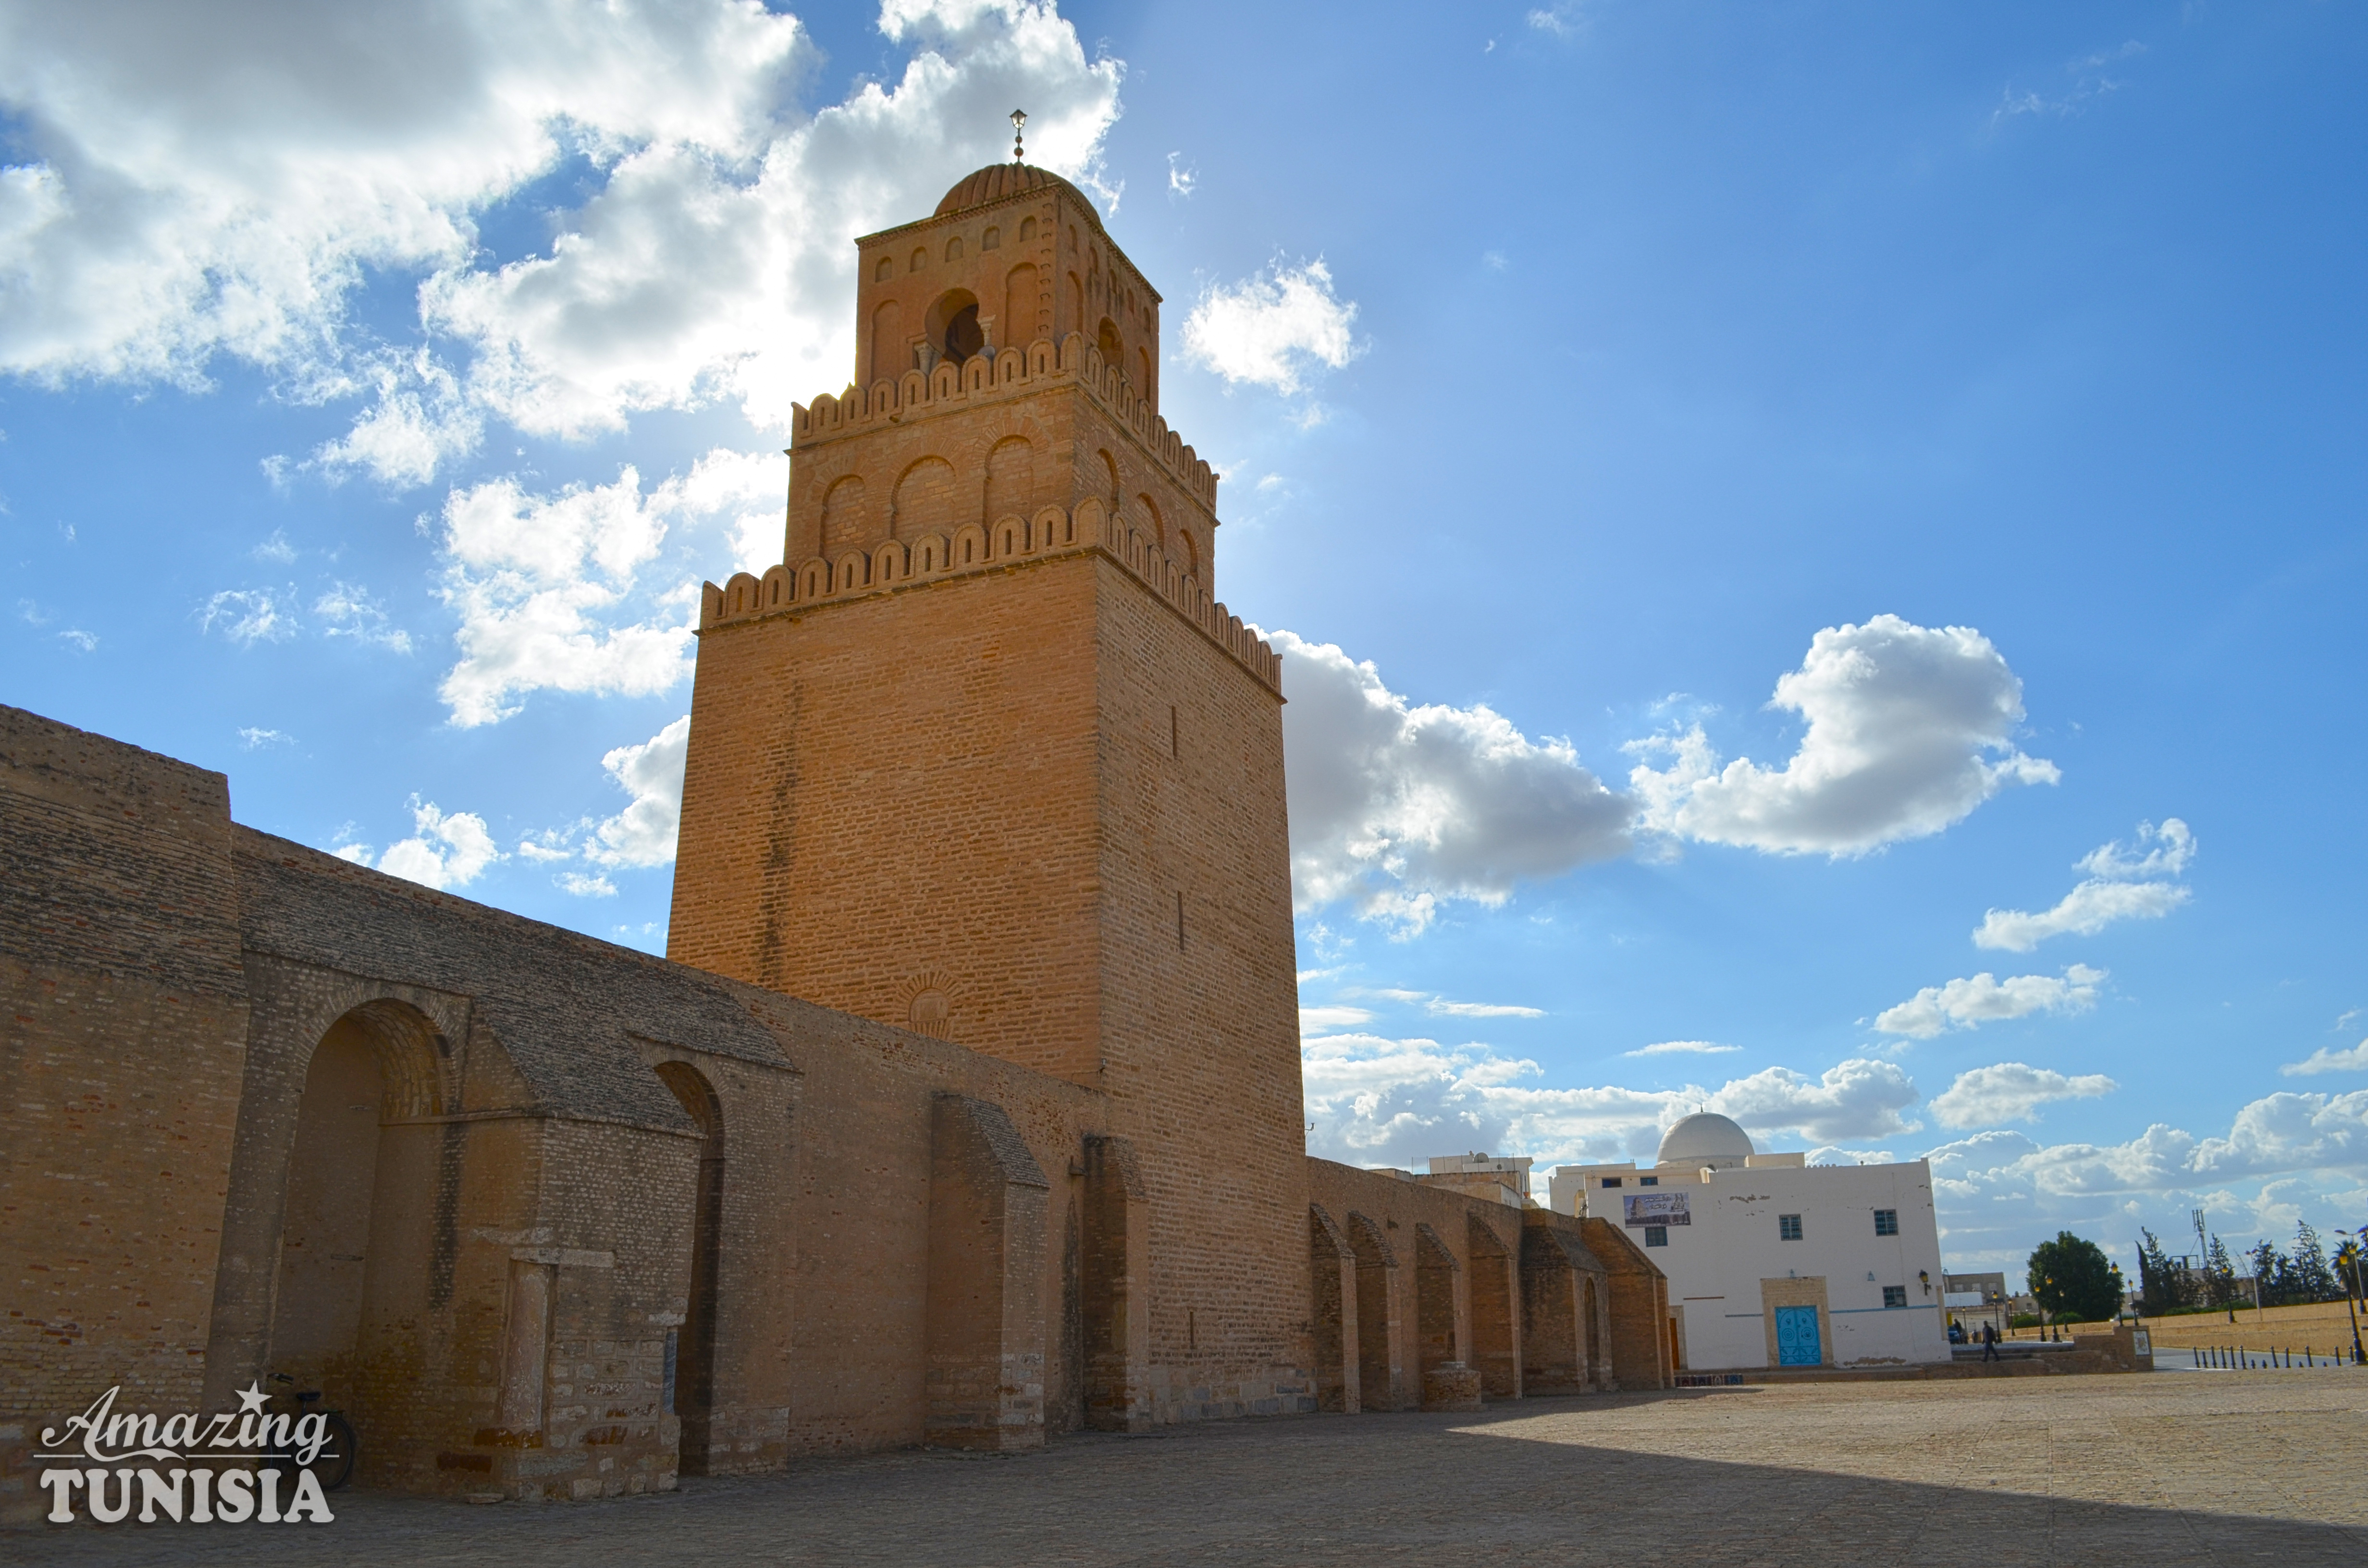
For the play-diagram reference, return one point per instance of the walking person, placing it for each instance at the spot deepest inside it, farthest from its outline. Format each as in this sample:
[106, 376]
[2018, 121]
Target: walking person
[1990, 1343]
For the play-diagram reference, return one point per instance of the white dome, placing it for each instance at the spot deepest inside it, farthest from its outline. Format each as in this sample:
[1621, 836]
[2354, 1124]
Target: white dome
[1705, 1136]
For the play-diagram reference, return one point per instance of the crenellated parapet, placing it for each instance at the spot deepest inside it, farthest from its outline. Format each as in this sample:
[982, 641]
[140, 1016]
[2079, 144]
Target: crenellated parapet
[974, 550]
[990, 376]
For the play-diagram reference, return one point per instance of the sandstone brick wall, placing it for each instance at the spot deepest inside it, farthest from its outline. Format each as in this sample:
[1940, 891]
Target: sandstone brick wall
[1050, 826]
[123, 1033]
[1397, 1230]
[1639, 1308]
[1200, 1000]
[889, 801]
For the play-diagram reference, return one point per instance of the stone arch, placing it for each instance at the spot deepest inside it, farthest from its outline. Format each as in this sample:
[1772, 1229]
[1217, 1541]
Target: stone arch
[1076, 304]
[1377, 1314]
[1019, 320]
[1592, 1372]
[1112, 347]
[885, 272]
[1187, 553]
[992, 238]
[1109, 476]
[926, 499]
[1154, 524]
[1332, 1265]
[1026, 229]
[920, 258]
[355, 1262]
[1436, 1341]
[846, 517]
[693, 1384]
[1495, 1292]
[952, 325]
[890, 358]
[1010, 476]
[954, 249]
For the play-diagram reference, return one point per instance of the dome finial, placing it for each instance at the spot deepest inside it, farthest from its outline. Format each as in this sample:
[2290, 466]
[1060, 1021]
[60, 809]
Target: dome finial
[1018, 123]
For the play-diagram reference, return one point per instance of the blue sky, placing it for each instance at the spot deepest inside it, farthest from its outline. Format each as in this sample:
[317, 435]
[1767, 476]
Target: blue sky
[1745, 494]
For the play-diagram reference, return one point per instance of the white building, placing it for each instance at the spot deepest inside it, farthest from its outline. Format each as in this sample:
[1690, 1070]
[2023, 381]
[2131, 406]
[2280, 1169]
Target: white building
[1775, 1262]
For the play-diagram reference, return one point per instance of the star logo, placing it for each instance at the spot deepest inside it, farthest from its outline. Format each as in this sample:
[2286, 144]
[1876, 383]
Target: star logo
[252, 1398]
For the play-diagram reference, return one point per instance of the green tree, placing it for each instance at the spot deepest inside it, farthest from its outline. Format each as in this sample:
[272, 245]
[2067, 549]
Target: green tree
[2072, 1279]
[2162, 1284]
[2271, 1272]
[2220, 1275]
[2314, 1280]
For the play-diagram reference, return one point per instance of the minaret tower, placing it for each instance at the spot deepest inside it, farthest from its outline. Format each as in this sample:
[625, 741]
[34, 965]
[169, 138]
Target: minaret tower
[983, 758]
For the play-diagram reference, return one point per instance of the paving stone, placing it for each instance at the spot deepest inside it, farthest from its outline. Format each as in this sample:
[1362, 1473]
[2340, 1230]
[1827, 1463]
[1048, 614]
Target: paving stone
[2151, 1470]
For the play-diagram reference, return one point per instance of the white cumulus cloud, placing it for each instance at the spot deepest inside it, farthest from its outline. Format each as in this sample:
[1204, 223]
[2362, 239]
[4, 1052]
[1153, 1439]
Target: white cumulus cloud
[1375, 1100]
[2011, 1091]
[446, 851]
[2085, 911]
[1909, 727]
[2276, 1135]
[204, 181]
[2173, 846]
[644, 833]
[1395, 807]
[1985, 998]
[2324, 1059]
[2118, 888]
[1270, 328]
[1682, 1048]
[548, 588]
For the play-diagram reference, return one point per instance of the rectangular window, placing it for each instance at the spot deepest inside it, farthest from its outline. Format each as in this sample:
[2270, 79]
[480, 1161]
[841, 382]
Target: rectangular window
[1895, 1295]
[1611, 1181]
[1788, 1227]
[1887, 1221]
[1648, 1181]
[1656, 1235]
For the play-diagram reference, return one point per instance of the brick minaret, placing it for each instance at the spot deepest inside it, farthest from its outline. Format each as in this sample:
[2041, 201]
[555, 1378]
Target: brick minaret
[983, 758]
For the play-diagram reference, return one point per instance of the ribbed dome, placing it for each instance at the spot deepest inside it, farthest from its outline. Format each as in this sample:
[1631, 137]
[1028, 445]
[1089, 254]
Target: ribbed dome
[1705, 1135]
[997, 181]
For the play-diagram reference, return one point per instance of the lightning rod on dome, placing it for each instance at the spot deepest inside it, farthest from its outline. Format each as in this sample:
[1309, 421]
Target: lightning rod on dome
[1018, 123]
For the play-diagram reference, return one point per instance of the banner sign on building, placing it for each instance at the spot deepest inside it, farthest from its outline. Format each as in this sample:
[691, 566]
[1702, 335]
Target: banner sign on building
[1657, 1208]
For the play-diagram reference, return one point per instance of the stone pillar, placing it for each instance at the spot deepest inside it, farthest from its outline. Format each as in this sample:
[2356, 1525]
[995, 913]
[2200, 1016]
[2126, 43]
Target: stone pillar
[1332, 1264]
[1115, 1282]
[1556, 1266]
[1379, 1358]
[1496, 1312]
[984, 1323]
[1638, 1310]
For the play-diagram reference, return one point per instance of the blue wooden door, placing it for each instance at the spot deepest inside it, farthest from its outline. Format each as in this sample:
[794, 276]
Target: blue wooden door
[1796, 1337]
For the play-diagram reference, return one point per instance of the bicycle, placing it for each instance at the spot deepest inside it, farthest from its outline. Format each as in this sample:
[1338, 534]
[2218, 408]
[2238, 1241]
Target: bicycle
[333, 1463]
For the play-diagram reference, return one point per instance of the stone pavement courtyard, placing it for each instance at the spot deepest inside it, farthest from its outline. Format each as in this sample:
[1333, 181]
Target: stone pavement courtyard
[2133, 1471]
